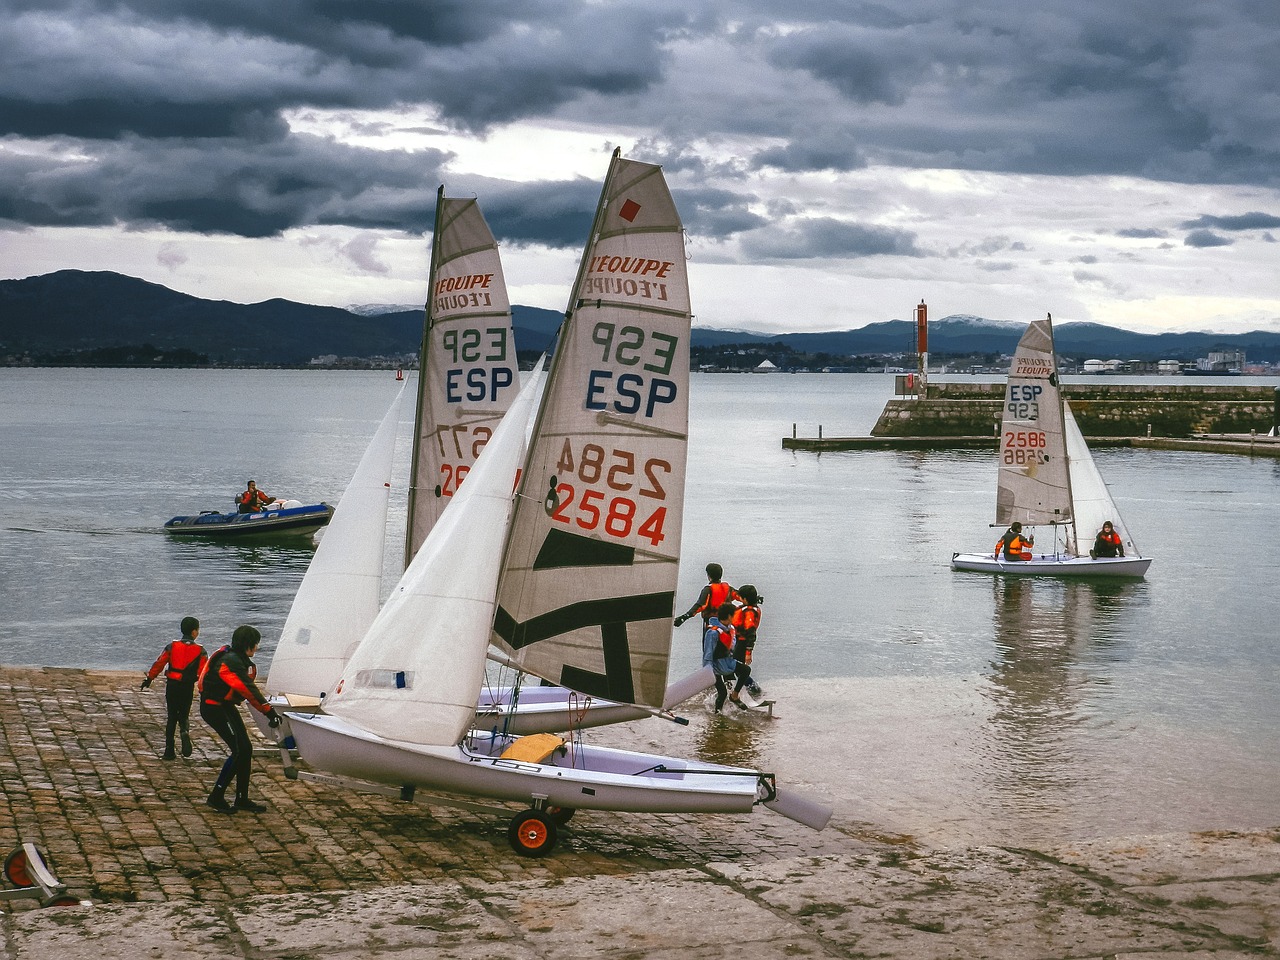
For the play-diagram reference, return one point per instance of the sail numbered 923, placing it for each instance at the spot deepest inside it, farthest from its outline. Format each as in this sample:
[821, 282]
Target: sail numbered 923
[589, 577]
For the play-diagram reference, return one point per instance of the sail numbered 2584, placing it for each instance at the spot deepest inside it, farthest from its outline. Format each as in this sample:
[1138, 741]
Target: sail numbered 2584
[589, 576]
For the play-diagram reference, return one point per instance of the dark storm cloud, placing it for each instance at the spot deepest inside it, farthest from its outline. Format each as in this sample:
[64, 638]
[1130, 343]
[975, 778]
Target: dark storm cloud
[1244, 221]
[141, 112]
[223, 187]
[1206, 238]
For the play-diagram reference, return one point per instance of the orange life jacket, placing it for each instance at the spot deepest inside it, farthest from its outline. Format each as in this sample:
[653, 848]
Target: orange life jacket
[719, 593]
[185, 659]
[1017, 547]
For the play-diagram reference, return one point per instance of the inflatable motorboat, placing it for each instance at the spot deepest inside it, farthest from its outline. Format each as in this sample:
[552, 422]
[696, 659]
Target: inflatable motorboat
[280, 518]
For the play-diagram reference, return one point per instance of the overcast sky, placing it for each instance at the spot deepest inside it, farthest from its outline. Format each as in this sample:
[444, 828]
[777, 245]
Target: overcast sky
[834, 161]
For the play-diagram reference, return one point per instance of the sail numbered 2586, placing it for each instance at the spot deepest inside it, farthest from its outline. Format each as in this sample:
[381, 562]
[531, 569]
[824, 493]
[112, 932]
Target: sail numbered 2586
[1033, 486]
[589, 576]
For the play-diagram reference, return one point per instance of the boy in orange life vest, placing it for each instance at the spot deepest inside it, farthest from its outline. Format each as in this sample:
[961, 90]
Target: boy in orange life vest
[227, 679]
[715, 593]
[1013, 544]
[182, 660]
[717, 650]
[746, 619]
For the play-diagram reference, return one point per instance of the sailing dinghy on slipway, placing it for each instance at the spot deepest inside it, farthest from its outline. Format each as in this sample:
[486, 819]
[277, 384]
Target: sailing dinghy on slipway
[1048, 477]
[467, 380]
[577, 583]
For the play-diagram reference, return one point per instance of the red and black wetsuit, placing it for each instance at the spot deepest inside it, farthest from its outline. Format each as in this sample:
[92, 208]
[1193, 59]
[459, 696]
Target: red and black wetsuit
[227, 680]
[182, 661]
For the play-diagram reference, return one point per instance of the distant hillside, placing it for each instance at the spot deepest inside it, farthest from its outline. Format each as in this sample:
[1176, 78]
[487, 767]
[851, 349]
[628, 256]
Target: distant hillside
[73, 311]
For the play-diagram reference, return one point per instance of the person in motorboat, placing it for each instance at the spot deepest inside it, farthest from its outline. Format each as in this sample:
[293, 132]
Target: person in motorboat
[1107, 543]
[227, 679]
[746, 620]
[182, 661]
[1014, 545]
[717, 650]
[253, 499]
[715, 593]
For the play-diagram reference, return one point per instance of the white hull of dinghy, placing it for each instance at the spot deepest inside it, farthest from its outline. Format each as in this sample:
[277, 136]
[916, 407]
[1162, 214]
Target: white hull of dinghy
[545, 709]
[1051, 565]
[584, 777]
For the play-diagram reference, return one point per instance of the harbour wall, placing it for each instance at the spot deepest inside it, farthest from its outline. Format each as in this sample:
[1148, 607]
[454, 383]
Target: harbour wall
[1101, 410]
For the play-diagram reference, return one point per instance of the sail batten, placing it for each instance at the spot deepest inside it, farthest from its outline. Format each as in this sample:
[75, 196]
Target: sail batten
[588, 581]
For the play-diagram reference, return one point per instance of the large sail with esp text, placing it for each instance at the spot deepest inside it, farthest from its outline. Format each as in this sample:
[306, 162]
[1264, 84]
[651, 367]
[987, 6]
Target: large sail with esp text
[1033, 486]
[467, 377]
[588, 579]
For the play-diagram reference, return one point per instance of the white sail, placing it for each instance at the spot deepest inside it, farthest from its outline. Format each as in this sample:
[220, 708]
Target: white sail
[468, 371]
[342, 589]
[418, 671]
[1033, 486]
[1091, 500]
[589, 577]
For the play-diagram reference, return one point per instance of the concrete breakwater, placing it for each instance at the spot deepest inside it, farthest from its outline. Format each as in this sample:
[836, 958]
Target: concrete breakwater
[1102, 410]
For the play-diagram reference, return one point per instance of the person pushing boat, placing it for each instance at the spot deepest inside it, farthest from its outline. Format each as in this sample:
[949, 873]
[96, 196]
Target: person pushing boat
[228, 678]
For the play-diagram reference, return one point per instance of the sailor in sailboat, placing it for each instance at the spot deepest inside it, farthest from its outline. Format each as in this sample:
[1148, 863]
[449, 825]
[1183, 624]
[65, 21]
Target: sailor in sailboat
[1107, 543]
[1047, 477]
[1015, 545]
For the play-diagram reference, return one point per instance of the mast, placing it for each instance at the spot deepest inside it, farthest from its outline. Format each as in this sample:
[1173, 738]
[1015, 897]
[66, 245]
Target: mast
[1074, 539]
[409, 545]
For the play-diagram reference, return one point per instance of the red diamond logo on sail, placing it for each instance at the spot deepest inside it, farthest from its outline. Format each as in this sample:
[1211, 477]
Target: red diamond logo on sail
[629, 211]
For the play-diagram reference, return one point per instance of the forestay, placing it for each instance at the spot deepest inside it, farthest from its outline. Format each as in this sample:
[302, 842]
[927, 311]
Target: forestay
[588, 580]
[417, 673]
[1033, 485]
[468, 374]
[342, 589]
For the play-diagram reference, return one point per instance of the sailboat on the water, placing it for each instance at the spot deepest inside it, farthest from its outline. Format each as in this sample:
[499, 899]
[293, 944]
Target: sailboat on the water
[1048, 477]
[576, 583]
[467, 380]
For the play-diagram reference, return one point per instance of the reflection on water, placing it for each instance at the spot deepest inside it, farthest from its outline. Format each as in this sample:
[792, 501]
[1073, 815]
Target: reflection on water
[1053, 644]
[732, 738]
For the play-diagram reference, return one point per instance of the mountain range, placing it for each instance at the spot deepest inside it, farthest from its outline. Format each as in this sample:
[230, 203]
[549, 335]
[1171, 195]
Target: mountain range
[71, 312]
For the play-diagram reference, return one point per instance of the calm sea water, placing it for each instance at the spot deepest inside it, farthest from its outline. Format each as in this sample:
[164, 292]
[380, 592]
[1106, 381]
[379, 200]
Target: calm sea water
[957, 707]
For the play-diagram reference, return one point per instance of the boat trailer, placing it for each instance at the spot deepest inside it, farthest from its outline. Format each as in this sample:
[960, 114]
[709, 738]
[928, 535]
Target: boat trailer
[26, 869]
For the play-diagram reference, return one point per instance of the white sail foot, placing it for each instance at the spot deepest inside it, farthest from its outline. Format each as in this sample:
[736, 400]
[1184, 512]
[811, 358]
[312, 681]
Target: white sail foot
[686, 687]
[801, 809]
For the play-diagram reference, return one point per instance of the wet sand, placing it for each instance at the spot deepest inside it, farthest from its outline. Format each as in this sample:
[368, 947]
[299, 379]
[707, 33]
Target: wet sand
[348, 874]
